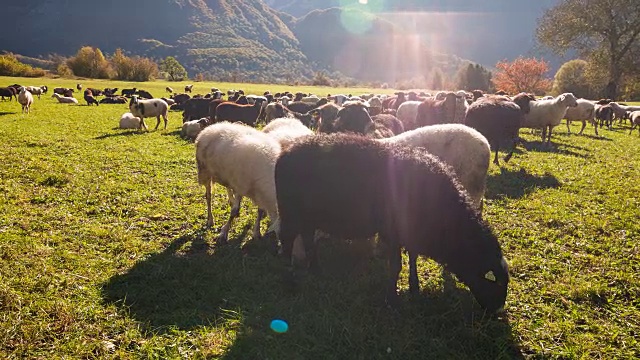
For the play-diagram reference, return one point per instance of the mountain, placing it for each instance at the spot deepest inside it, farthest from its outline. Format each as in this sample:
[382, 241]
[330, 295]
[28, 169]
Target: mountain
[207, 36]
[484, 31]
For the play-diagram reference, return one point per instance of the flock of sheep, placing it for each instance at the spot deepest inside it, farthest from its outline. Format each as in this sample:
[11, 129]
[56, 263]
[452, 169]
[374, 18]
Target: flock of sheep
[410, 168]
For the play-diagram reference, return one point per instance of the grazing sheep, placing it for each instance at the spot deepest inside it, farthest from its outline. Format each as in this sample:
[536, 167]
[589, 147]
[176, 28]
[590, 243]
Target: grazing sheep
[584, 111]
[634, 117]
[466, 150]
[188, 88]
[169, 90]
[44, 89]
[605, 115]
[354, 187]
[195, 109]
[88, 97]
[247, 114]
[128, 121]
[274, 111]
[8, 92]
[110, 91]
[547, 114]
[35, 90]
[66, 92]
[65, 99]
[192, 128]
[433, 111]
[242, 159]
[326, 117]
[25, 99]
[149, 108]
[79, 87]
[498, 119]
[143, 94]
[286, 130]
[169, 101]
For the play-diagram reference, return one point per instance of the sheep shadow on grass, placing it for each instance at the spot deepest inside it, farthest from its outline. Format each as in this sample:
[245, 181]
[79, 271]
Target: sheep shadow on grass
[127, 132]
[335, 314]
[515, 184]
[554, 147]
[3, 113]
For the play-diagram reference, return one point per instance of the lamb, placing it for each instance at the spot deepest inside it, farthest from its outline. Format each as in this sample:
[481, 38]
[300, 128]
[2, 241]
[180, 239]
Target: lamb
[354, 187]
[498, 119]
[634, 117]
[188, 88]
[79, 87]
[243, 159]
[169, 90]
[547, 114]
[65, 99]
[605, 115]
[128, 121]
[149, 108]
[25, 99]
[35, 90]
[192, 128]
[466, 150]
[584, 111]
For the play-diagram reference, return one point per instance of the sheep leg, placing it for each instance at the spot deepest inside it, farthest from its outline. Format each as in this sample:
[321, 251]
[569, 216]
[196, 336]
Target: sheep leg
[165, 121]
[209, 215]
[256, 226]
[157, 123]
[584, 124]
[568, 128]
[310, 249]
[495, 159]
[394, 258]
[234, 202]
[544, 134]
[414, 285]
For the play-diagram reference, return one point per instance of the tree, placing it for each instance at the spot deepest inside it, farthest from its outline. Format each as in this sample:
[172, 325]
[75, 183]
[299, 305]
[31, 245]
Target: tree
[522, 75]
[473, 77]
[571, 77]
[89, 62]
[437, 79]
[606, 32]
[132, 68]
[173, 68]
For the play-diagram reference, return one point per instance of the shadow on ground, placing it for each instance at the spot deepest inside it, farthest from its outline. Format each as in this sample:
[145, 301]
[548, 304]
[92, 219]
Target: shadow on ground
[515, 184]
[337, 313]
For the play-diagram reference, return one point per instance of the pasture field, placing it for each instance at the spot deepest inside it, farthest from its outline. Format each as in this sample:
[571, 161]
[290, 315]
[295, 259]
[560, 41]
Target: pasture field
[104, 254]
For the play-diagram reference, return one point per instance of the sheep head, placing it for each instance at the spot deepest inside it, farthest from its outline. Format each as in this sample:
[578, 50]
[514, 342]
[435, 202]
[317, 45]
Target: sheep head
[568, 99]
[353, 117]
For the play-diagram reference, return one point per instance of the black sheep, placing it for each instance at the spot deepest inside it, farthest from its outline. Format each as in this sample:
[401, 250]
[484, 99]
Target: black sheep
[355, 187]
[385, 125]
[353, 117]
[8, 92]
[143, 94]
[88, 97]
[498, 119]
[195, 109]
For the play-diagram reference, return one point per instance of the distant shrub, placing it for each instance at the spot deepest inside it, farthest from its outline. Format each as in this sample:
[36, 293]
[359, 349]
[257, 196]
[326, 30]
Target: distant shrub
[132, 68]
[89, 62]
[10, 66]
[63, 70]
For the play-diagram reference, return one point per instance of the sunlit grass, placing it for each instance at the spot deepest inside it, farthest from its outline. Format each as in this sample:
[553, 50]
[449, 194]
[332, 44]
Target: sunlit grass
[103, 254]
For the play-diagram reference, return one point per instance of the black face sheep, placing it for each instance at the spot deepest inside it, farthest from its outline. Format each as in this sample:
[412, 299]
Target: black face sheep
[242, 159]
[191, 129]
[149, 108]
[353, 117]
[88, 97]
[498, 119]
[44, 89]
[355, 187]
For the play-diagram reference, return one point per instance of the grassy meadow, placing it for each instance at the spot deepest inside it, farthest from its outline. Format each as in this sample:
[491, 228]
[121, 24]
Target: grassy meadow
[104, 254]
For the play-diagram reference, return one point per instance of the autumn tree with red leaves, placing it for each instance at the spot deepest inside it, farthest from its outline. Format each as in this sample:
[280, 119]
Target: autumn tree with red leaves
[522, 75]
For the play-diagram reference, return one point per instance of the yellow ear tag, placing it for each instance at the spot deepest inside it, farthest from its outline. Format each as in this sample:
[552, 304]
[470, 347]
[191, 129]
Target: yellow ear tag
[490, 276]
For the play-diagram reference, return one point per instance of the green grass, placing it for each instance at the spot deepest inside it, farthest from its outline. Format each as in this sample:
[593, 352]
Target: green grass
[103, 255]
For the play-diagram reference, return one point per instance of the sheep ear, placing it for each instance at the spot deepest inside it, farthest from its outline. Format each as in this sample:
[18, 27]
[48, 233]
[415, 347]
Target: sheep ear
[490, 276]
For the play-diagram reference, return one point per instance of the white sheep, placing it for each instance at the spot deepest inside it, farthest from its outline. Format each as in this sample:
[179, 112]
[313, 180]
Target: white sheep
[619, 111]
[128, 121]
[459, 146]
[286, 130]
[149, 108]
[634, 116]
[191, 129]
[547, 114]
[35, 90]
[407, 112]
[65, 99]
[584, 111]
[25, 99]
[311, 99]
[243, 159]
